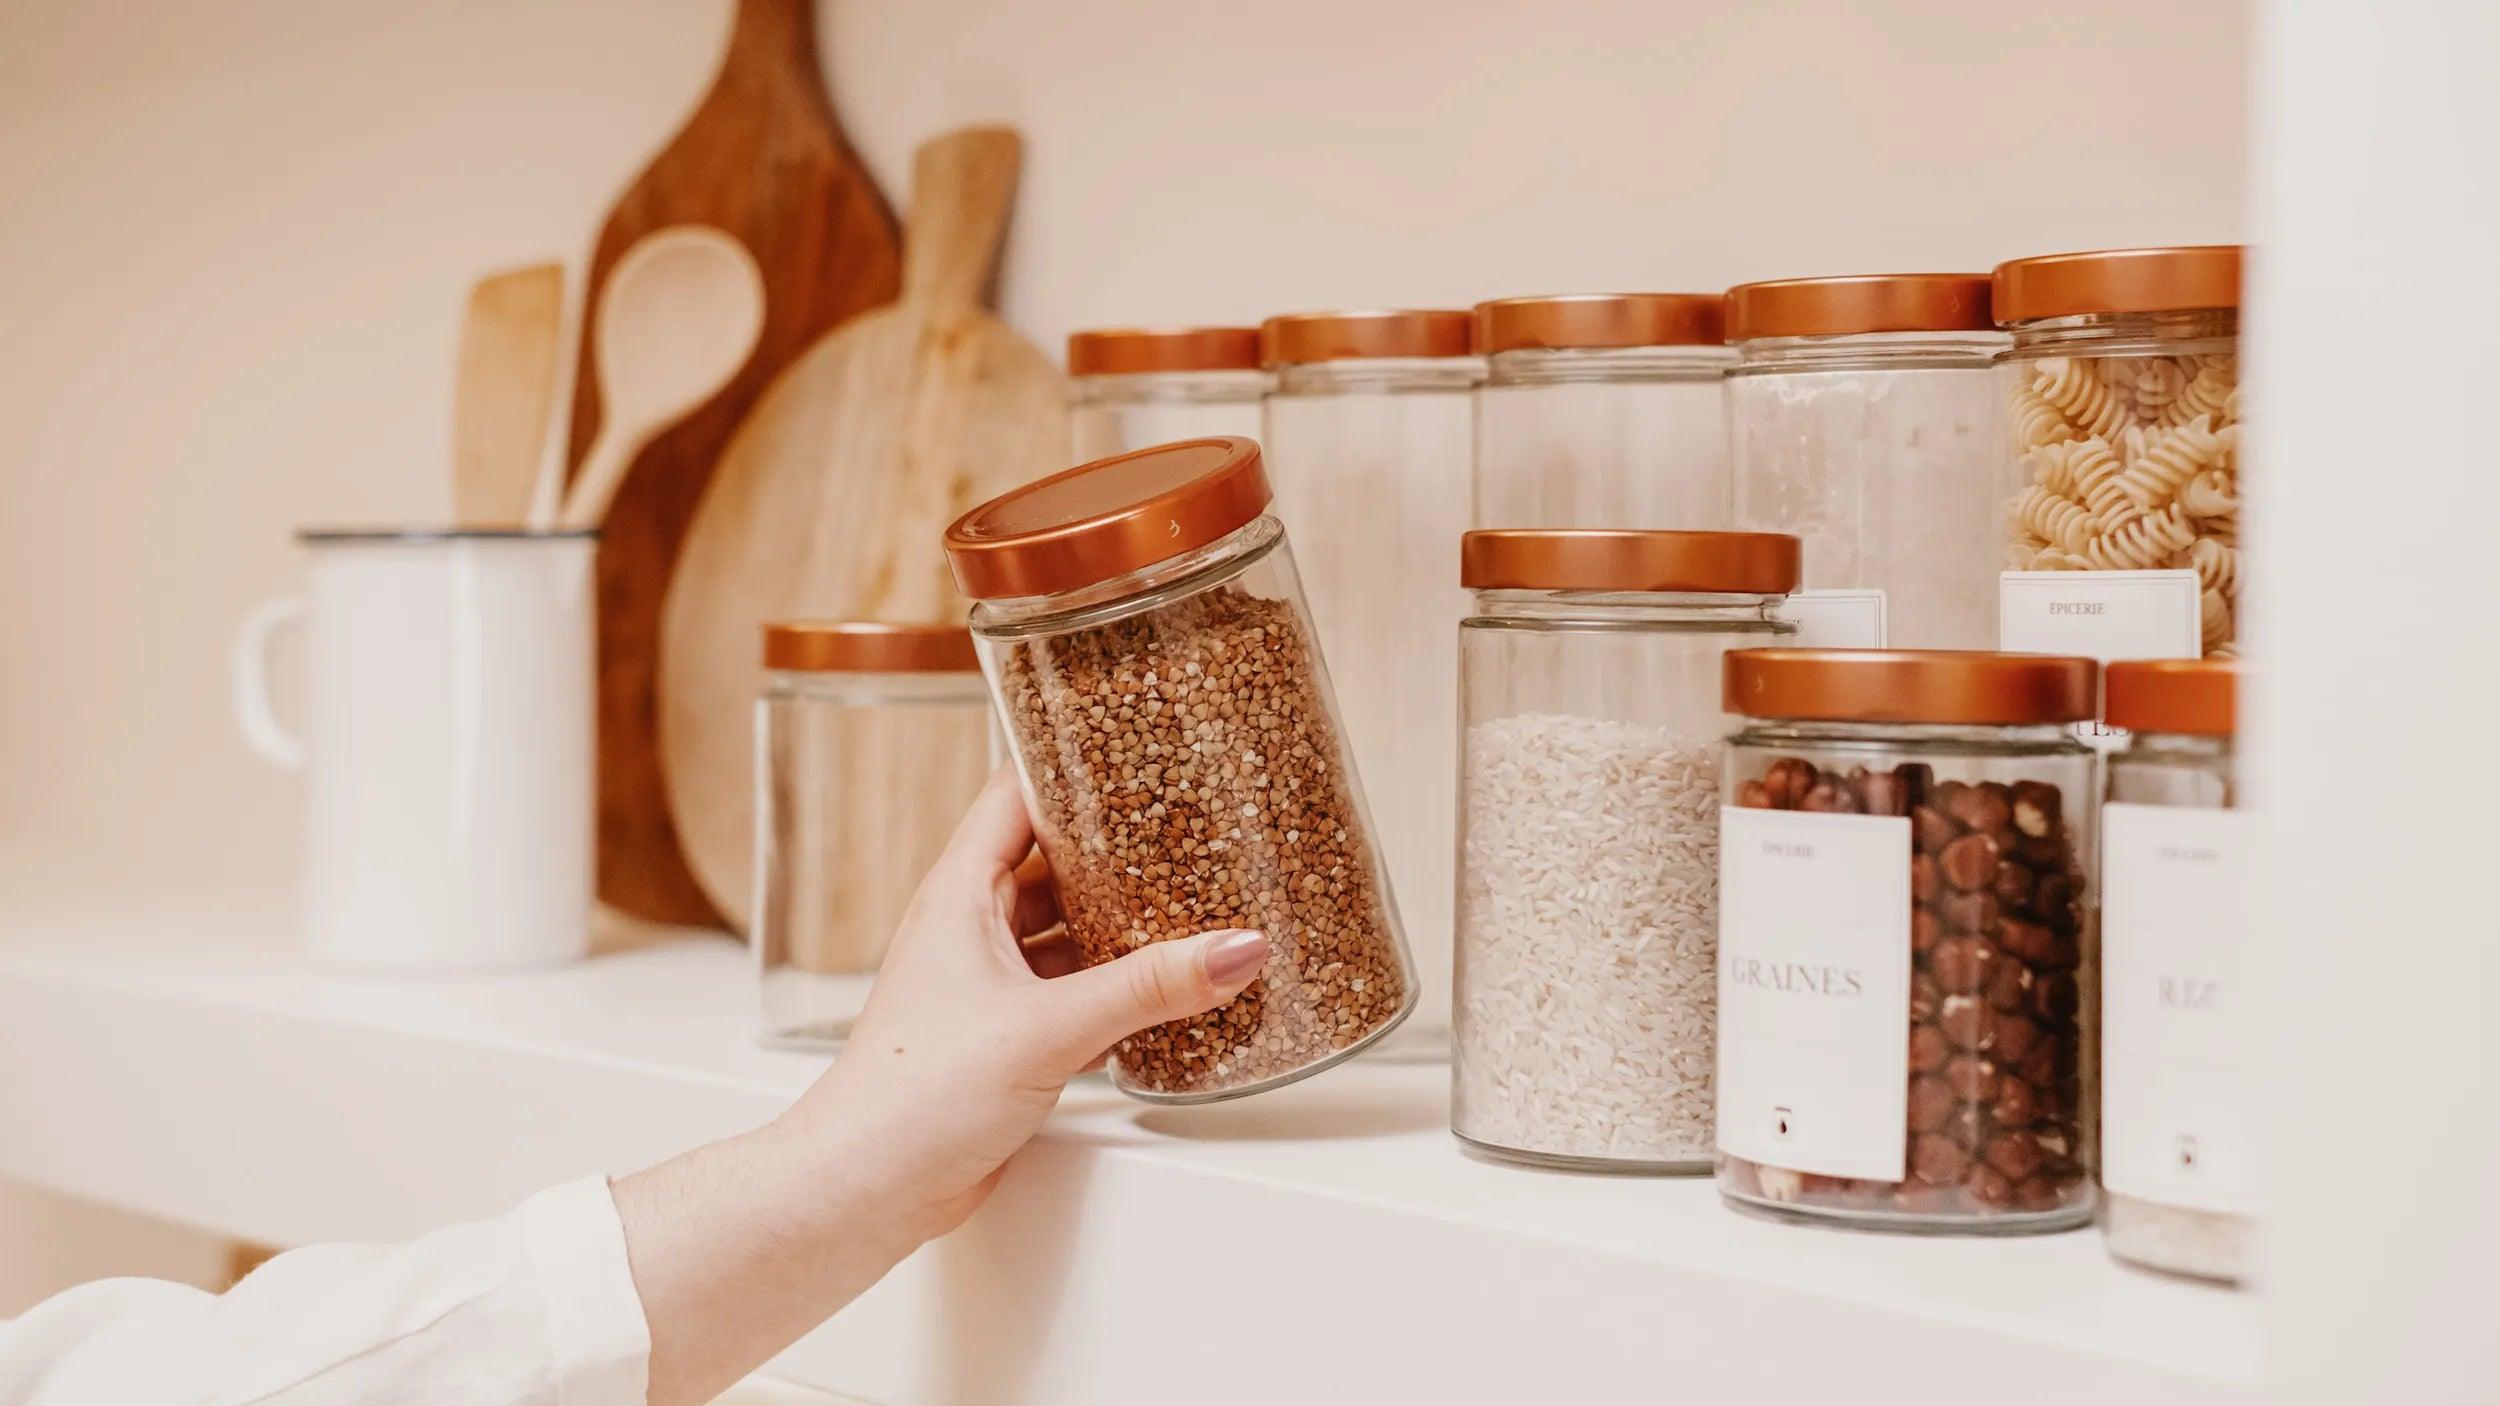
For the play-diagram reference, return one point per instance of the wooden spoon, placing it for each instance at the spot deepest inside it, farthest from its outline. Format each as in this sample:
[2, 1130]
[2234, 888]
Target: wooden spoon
[679, 315]
[504, 384]
[832, 498]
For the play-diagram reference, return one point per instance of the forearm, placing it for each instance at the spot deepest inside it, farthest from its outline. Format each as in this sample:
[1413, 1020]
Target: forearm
[740, 1247]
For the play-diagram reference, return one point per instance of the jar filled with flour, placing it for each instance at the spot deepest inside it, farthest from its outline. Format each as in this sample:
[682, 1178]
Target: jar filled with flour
[1589, 835]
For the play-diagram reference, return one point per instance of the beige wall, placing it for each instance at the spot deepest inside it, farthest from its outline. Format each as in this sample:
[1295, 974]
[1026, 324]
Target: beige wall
[234, 238]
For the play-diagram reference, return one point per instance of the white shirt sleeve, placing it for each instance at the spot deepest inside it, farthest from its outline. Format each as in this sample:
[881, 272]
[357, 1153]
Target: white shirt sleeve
[535, 1308]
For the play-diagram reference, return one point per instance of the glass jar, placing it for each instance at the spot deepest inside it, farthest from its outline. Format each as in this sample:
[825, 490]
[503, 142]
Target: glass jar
[1132, 387]
[1143, 630]
[871, 740]
[1602, 410]
[1863, 416]
[1905, 954]
[1370, 439]
[1589, 836]
[2178, 938]
[2123, 409]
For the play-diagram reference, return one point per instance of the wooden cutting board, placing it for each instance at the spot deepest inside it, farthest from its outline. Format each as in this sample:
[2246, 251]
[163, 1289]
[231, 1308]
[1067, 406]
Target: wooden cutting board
[763, 159]
[833, 498]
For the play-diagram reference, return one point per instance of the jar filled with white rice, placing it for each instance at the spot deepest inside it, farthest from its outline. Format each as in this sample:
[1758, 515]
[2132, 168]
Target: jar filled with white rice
[1588, 836]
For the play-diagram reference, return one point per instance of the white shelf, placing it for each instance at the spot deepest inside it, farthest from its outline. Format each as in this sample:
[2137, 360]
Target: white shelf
[1327, 1240]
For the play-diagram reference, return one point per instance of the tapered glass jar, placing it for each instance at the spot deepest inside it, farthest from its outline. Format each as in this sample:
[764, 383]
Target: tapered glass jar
[1863, 416]
[1164, 697]
[1602, 410]
[2178, 940]
[1905, 953]
[871, 739]
[1130, 388]
[1588, 836]
[1369, 438]
[2123, 411]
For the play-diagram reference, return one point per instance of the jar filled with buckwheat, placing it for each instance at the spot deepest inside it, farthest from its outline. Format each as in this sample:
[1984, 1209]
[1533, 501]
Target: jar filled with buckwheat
[1162, 691]
[1906, 964]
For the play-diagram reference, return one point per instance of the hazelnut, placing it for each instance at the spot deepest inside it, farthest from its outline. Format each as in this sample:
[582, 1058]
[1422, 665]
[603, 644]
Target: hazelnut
[1969, 1078]
[2029, 941]
[1753, 795]
[1930, 1101]
[1927, 1049]
[1829, 796]
[1938, 1160]
[1925, 996]
[1976, 911]
[1930, 830]
[1922, 879]
[2009, 986]
[2055, 997]
[1982, 807]
[1788, 780]
[1964, 1023]
[2046, 853]
[1944, 795]
[2014, 1107]
[2037, 808]
[1969, 862]
[1924, 929]
[1882, 793]
[2014, 1154]
[1989, 1187]
[2012, 885]
[2014, 1036]
[1960, 964]
[1967, 1126]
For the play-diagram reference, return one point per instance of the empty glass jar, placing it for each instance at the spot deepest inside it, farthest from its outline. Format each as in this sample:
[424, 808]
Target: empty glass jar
[2178, 942]
[1133, 387]
[1602, 410]
[871, 741]
[1163, 693]
[2123, 404]
[1589, 836]
[1863, 416]
[1369, 436]
[1905, 956]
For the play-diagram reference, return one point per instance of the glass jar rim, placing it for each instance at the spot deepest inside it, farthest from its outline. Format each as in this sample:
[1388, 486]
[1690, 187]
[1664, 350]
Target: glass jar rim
[1940, 686]
[1628, 559]
[867, 647]
[1108, 518]
[1594, 321]
[2178, 278]
[1132, 351]
[1859, 303]
[1301, 338]
[2199, 697]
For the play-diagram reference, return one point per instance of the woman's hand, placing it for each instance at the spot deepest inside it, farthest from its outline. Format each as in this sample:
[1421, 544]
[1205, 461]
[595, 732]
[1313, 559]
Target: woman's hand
[978, 1019]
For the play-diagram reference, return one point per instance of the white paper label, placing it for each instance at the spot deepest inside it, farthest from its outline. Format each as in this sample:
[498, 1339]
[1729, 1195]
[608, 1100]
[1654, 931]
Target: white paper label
[2175, 1013]
[1836, 619]
[2104, 614]
[1814, 990]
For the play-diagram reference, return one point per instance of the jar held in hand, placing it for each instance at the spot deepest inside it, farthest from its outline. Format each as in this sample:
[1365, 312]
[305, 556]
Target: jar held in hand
[1143, 630]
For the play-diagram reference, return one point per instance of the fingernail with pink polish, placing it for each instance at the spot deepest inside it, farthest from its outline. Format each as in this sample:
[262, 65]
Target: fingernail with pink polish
[1235, 956]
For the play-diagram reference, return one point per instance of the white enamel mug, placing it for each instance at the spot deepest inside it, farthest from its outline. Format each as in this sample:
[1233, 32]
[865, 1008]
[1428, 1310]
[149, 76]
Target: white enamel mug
[447, 737]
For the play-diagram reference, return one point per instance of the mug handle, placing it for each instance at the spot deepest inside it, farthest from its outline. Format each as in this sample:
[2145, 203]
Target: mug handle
[248, 668]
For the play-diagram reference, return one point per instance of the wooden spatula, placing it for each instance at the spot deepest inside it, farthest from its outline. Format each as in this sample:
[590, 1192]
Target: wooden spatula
[504, 385]
[831, 498]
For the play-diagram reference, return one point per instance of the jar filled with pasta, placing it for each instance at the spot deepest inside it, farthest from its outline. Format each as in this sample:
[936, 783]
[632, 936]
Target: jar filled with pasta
[1132, 387]
[1863, 417]
[1369, 436]
[2123, 493]
[1602, 410]
[1905, 947]
[2178, 942]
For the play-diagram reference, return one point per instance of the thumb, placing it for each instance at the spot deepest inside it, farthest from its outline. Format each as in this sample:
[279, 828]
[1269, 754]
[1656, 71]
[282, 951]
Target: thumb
[1101, 1006]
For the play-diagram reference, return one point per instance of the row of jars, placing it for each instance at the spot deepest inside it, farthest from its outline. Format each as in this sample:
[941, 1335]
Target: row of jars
[1846, 956]
[1923, 433]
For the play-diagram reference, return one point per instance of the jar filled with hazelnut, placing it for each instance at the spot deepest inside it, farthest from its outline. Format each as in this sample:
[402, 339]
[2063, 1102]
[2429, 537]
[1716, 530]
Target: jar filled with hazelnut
[1906, 964]
[2178, 935]
[1155, 668]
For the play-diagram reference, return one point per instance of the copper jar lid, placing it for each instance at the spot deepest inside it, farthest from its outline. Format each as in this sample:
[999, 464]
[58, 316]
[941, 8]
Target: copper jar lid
[1908, 686]
[2199, 696]
[1107, 518]
[867, 647]
[1599, 320]
[1609, 559]
[1138, 351]
[1296, 339]
[2182, 279]
[1872, 302]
